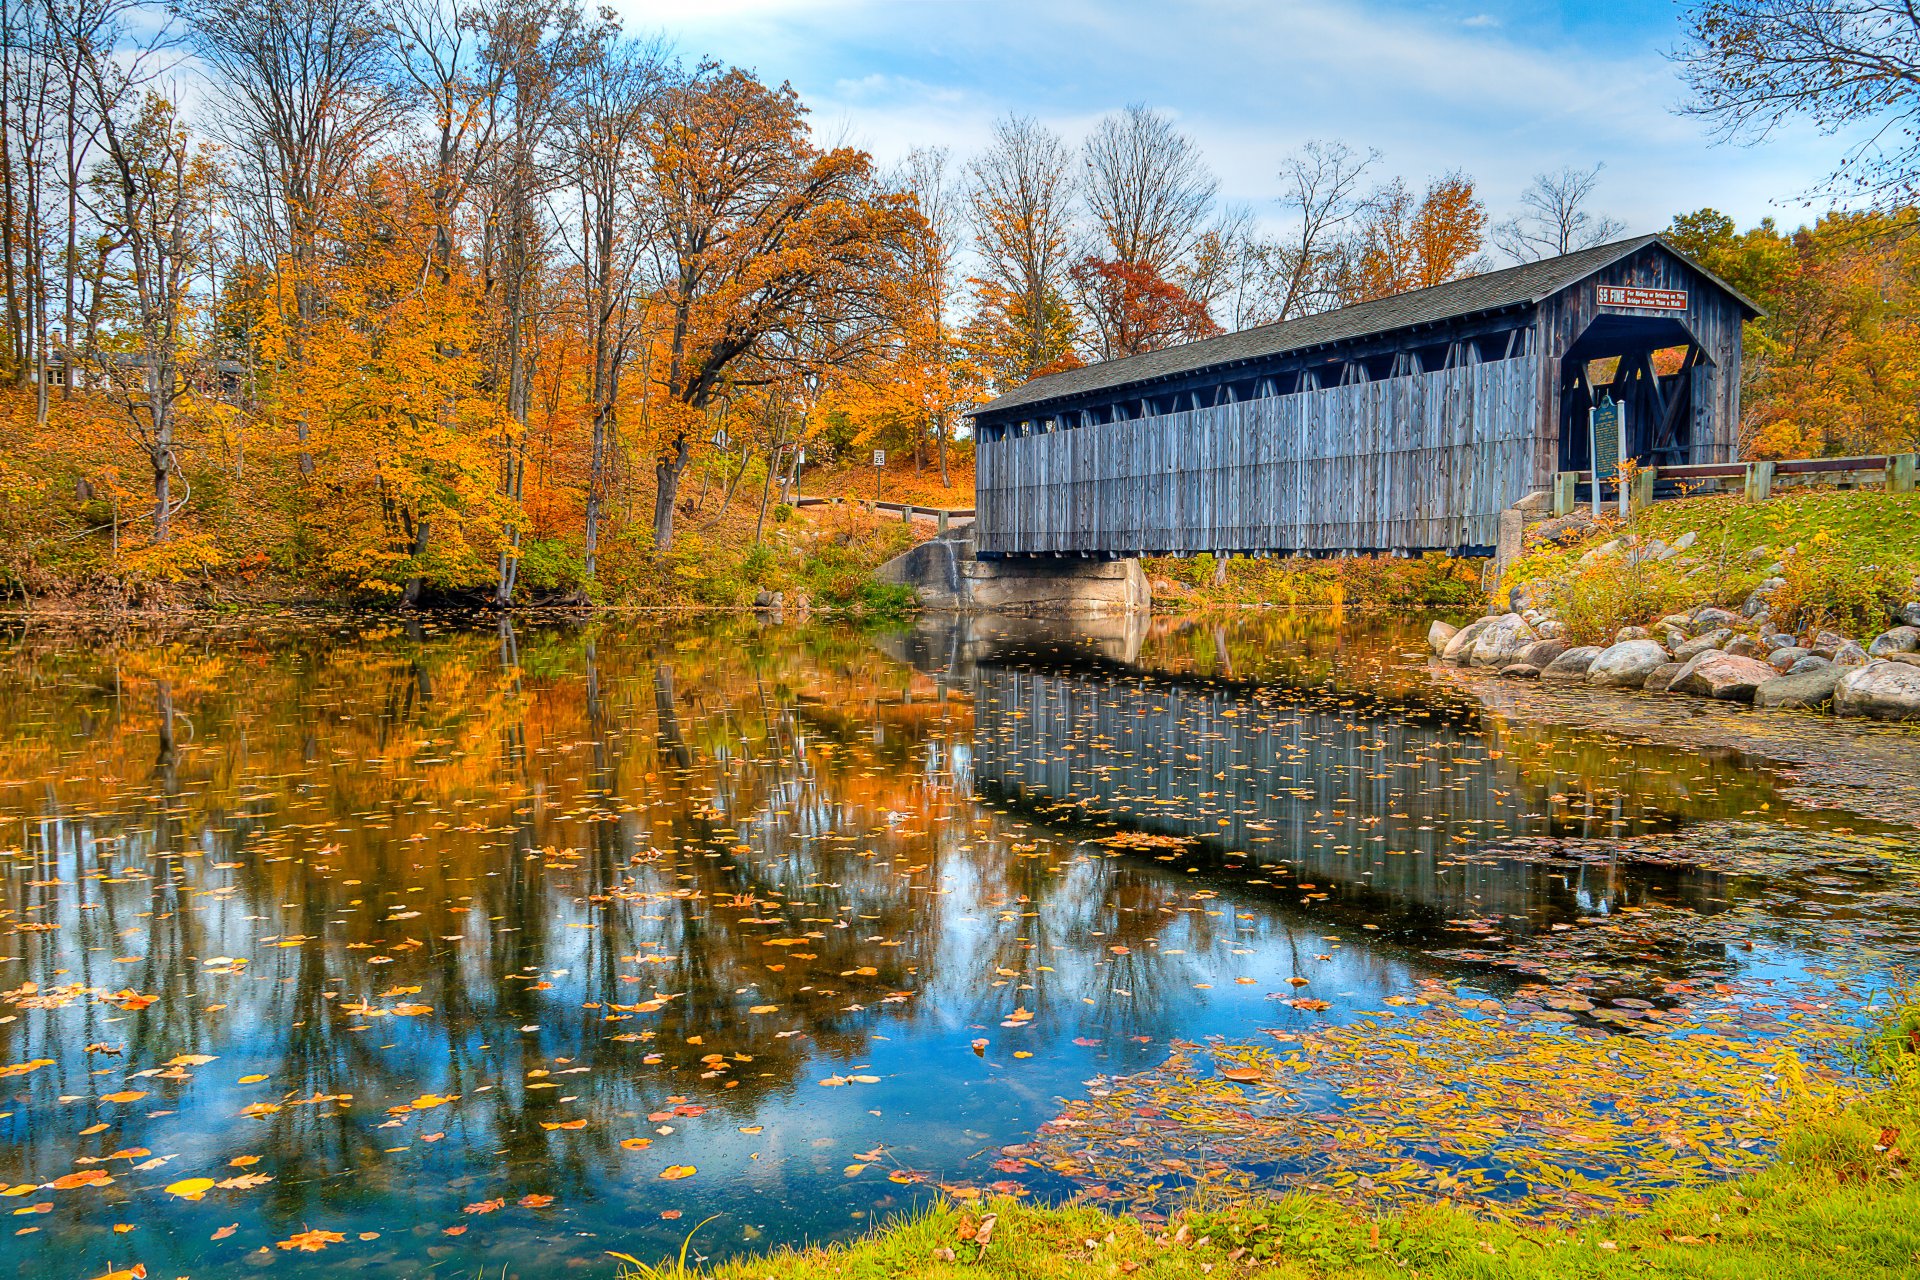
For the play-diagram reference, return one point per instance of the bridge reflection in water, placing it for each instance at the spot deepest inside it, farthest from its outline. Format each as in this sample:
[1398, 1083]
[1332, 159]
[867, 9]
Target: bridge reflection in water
[1407, 808]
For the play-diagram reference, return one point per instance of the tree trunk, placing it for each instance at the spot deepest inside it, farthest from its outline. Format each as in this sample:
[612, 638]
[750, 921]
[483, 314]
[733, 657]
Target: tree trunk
[667, 472]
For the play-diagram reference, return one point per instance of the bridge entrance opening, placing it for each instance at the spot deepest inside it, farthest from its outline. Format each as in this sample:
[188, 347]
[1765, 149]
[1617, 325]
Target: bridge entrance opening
[1656, 367]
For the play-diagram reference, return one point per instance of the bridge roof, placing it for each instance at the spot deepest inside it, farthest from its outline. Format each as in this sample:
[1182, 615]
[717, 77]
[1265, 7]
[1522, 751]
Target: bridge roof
[1524, 285]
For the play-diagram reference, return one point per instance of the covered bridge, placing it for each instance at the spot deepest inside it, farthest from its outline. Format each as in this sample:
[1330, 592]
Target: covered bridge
[1400, 425]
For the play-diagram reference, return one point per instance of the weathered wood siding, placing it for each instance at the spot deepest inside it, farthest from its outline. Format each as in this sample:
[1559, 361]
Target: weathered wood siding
[1416, 462]
[1713, 315]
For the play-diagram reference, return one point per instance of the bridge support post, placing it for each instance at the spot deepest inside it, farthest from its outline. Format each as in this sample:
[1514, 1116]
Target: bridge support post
[1900, 472]
[1565, 485]
[1759, 481]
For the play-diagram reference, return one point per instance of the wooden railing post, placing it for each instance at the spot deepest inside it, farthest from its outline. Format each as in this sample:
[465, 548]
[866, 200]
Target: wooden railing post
[942, 517]
[906, 513]
[1759, 481]
[1565, 484]
[1642, 495]
[1900, 472]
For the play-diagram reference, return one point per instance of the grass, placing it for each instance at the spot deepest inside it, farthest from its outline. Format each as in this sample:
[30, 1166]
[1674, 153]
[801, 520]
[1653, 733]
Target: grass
[1363, 582]
[1855, 552]
[1839, 1201]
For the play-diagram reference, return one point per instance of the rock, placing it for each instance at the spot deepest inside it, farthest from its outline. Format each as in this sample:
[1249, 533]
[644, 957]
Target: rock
[1626, 665]
[1542, 652]
[1674, 637]
[1632, 633]
[1673, 622]
[1460, 648]
[1726, 677]
[1710, 616]
[1777, 640]
[1827, 643]
[1552, 628]
[1880, 691]
[1747, 647]
[1908, 614]
[1439, 633]
[1808, 689]
[1715, 639]
[1571, 665]
[1685, 540]
[1783, 658]
[1913, 658]
[1898, 640]
[1757, 602]
[1520, 671]
[765, 599]
[1601, 552]
[1502, 643]
[1850, 654]
[1662, 676]
[1812, 662]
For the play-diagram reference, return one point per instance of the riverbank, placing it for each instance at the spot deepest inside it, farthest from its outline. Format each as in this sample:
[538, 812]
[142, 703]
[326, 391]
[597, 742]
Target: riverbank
[1838, 1200]
[1800, 603]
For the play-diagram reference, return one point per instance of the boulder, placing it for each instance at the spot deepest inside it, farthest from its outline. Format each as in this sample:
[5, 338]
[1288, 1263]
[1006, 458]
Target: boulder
[1777, 640]
[1571, 665]
[1913, 658]
[1715, 639]
[1747, 647]
[1908, 614]
[1439, 633]
[1709, 616]
[1812, 662]
[1783, 658]
[1460, 648]
[1632, 633]
[1541, 652]
[1808, 689]
[1662, 676]
[1827, 643]
[1685, 540]
[1880, 691]
[1552, 628]
[1673, 622]
[1520, 671]
[1673, 637]
[1898, 640]
[1850, 654]
[1626, 665]
[1727, 677]
[1502, 643]
[1601, 552]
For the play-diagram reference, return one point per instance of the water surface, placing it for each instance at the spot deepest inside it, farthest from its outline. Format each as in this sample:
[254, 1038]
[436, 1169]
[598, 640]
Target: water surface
[454, 940]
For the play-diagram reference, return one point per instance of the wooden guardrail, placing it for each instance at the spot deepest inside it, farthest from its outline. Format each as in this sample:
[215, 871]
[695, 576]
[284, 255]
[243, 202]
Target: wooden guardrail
[1758, 479]
[907, 510]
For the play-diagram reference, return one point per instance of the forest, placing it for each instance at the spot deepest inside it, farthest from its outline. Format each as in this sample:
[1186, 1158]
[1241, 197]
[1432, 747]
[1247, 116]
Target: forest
[492, 301]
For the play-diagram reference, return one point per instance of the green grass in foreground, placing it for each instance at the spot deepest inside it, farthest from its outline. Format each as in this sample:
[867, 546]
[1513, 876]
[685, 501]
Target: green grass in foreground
[1839, 1201]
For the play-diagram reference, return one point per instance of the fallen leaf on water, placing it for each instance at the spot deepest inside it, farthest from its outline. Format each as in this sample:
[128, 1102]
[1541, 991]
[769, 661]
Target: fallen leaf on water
[535, 1201]
[636, 1144]
[138, 1271]
[128, 1095]
[563, 1124]
[84, 1178]
[486, 1206]
[190, 1188]
[1242, 1074]
[454, 1231]
[226, 1231]
[312, 1241]
[854, 1170]
[675, 1172]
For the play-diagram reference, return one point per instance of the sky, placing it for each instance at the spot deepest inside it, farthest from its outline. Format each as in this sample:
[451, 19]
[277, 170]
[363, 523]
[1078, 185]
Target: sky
[1499, 89]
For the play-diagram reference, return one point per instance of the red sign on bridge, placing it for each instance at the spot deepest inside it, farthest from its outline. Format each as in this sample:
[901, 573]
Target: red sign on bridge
[1627, 295]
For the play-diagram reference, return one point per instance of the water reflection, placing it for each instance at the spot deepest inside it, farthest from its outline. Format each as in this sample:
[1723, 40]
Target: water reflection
[380, 926]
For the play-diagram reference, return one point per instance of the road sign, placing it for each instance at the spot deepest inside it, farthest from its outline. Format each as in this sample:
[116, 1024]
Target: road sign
[1606, 437]
[1628, 295]
[879, 457]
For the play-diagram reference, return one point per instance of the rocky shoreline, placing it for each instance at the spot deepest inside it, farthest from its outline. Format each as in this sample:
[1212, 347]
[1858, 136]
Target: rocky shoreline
[1711, 653]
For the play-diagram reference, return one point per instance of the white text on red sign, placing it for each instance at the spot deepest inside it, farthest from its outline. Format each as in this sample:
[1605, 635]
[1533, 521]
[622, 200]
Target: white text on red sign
[1626, 295]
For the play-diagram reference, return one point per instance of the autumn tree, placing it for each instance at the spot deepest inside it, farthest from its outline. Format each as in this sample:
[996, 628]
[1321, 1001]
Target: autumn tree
[1022, 214]
[1403, 243]
[306, 92]
[1133, 309]
[764, 248]
[154, 187]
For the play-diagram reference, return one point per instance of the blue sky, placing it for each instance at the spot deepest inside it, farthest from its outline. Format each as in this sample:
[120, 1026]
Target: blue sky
[1499, 89]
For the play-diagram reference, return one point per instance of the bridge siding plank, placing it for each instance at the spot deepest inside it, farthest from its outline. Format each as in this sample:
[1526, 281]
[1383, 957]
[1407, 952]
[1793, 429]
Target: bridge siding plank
[1417, 461]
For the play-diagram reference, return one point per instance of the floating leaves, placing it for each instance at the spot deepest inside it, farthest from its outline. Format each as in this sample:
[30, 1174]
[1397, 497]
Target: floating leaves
[312, 1241]
[675, 1172]
[191, 1188]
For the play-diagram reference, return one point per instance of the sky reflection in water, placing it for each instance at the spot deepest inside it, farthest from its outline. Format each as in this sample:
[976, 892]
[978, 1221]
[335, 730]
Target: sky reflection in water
[425, 918]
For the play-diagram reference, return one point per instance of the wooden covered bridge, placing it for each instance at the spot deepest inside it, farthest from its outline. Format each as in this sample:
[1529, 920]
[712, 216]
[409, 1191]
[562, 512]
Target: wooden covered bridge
[1405, 424]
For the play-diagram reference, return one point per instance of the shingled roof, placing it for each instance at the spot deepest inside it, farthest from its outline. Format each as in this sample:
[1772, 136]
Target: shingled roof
[1526, 284]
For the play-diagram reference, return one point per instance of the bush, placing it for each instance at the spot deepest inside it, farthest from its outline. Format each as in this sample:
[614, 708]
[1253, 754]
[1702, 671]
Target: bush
[1827, 585]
